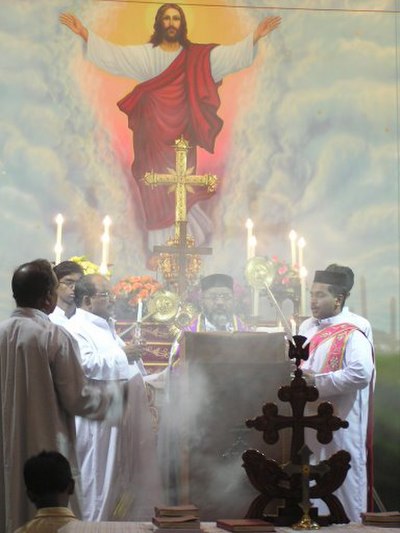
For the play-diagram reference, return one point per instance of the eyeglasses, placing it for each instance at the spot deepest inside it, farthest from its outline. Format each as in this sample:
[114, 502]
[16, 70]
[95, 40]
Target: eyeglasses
[68, 283]
[214, 297]
[104, 294]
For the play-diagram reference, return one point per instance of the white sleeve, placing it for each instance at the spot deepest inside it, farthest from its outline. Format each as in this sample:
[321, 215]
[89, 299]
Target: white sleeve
[226, 59]
[129, 61]
[357, 371]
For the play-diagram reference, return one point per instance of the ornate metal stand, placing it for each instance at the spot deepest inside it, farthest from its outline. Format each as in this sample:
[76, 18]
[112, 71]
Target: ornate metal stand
[291, 482]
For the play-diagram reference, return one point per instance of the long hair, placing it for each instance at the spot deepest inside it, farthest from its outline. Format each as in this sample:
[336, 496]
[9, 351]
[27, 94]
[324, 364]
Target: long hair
[157, 36]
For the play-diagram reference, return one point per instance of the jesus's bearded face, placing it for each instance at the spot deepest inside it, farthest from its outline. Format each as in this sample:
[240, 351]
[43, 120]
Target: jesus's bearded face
[171, 25]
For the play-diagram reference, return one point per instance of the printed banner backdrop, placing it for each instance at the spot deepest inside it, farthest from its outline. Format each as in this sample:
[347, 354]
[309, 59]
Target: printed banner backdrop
[310, 140]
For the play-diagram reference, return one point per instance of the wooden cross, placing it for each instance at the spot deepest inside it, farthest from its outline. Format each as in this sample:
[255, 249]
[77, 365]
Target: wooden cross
[182, 181]
[297, 394]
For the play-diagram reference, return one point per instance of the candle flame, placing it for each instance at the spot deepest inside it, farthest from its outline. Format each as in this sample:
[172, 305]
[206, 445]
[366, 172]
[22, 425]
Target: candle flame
[292, 235]
[301, 242]
[59, 219]
[107, 221]
[249, 224]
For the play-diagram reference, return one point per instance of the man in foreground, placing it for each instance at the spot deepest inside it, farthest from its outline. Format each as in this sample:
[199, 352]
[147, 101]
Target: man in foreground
[49, 484]
[341, 366]
[42, 388]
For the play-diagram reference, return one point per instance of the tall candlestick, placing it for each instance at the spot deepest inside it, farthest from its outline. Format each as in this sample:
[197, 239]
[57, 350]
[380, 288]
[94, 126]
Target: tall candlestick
[293, 237]
[249, 227]
[303, 304]
[256, 302]
[105, 239]
[58, 247]
[139, 311]
[300, 245]
[253, 244]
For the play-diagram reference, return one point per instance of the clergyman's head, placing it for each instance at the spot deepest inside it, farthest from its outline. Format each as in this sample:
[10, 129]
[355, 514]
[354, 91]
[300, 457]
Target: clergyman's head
[170, 26]
[217, 299]
[68, 273]
[328, 293]
[34, 285]
[93, 293]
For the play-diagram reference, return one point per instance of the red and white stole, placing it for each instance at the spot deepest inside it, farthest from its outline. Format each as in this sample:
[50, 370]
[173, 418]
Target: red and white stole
[339, 335]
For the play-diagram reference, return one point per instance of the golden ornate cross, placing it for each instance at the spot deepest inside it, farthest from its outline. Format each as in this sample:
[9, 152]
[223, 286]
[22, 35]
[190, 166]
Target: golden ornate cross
[181, 180]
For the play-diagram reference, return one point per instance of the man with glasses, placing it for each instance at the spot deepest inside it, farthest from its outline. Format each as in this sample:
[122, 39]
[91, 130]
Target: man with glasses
[68, 273]
[120, 478]
[217, 302]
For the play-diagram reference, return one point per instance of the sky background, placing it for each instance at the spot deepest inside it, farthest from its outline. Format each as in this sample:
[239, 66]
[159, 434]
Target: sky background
[310, 139]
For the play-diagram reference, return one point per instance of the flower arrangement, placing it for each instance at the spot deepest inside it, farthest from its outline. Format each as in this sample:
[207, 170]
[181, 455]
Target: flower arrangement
[88, 266]
[286, 275]
[129, 290]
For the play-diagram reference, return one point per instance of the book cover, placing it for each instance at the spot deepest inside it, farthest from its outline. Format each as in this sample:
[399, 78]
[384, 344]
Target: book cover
[176, 510]
[177, 522]
[244, 524]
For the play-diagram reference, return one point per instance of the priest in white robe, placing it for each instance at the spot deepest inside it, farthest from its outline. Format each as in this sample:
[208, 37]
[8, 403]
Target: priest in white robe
[341, 366]
[120, 477]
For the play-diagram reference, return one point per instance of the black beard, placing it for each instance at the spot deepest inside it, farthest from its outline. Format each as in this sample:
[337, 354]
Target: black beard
[175, 37]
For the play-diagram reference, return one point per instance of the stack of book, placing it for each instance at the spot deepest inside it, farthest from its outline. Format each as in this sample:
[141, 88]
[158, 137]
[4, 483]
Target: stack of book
[388, 519]
[180, 518]
[243, 525]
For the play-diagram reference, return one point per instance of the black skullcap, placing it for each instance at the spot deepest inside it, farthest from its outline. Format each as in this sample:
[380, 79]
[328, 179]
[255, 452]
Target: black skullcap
[330, 278]
[344, 270]
[216, 280]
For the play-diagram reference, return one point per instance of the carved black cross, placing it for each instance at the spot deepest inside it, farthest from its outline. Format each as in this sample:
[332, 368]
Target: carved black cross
[298, 393]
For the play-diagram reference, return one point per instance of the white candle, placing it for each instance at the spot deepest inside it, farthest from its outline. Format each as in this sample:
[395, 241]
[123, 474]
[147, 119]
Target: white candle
[303, 275]
[256, 302]
[139, 311]
[293, 326]
[105, 239]
[58, 247]
[249, 227]
[300, 245]
[253, 244]
[293, 237]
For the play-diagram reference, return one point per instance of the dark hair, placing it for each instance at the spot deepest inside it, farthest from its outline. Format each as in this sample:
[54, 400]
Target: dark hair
[339, 290]
[85, 287]
[343, 270]
[46, 473]
[67, 267]
[31, 282]
[157, 36]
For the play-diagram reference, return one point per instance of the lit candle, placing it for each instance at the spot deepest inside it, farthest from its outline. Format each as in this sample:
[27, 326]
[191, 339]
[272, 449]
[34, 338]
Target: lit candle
[253, 244]
[105, 239]
[303, 275]
[293, 326]
[300, 245]
[58, 247]
[139, 311]
[249, 227]
[293, 237]
[256, 302]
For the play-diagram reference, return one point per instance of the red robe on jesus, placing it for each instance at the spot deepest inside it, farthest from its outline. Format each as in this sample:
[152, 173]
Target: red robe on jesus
[182, 100]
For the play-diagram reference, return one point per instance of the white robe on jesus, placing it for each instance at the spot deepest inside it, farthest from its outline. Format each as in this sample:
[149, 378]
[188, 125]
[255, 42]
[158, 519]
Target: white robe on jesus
[144, 62]
[348, 389]
[120, 477]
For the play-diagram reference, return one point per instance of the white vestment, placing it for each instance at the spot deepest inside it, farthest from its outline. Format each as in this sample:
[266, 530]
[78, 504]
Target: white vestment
[348, 316]
[58, 316]
[143, 62]
[348, 389]
[120, 478]
[42, 387]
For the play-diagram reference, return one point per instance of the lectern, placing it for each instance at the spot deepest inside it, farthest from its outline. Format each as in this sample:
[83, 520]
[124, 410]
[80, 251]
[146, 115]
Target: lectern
[222, 380]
